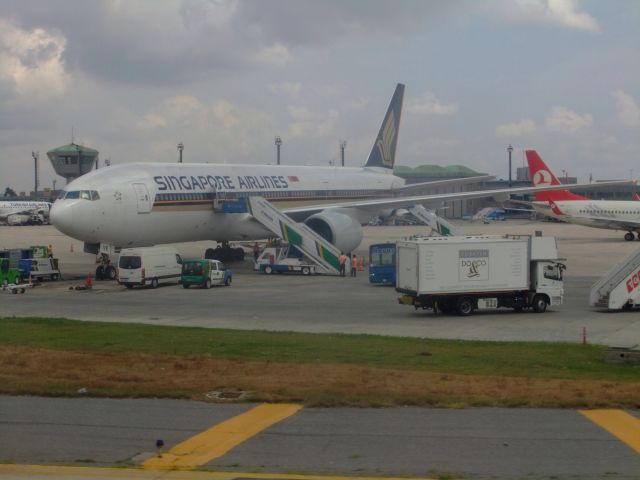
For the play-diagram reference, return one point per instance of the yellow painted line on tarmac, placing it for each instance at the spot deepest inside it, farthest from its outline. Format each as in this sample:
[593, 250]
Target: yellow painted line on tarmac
[99, 473]
[219, 439]
[618, 423]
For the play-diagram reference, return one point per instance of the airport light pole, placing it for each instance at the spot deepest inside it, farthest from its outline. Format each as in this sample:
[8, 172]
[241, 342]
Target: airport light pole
[510, 150]
[180, 149]
[343, 145]
[35, 156]
[278, 143]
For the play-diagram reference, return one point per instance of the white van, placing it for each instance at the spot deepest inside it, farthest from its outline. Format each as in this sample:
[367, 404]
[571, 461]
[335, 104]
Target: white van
[149, 266]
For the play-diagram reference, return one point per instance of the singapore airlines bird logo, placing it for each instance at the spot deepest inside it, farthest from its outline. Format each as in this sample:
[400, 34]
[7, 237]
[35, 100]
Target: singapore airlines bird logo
[386, 142]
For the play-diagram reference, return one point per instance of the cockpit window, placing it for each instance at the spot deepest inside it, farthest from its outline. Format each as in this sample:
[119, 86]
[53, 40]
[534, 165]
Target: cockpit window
[83, 194]
[61, 194]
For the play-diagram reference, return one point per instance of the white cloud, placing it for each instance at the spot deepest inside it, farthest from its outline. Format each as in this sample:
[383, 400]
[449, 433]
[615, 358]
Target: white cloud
[292, 89]
[32, 60]
[564, 13]
[563, 120]
[516, 129]
[277, 55]
[628, 109]
[428, 104]
[305, 122]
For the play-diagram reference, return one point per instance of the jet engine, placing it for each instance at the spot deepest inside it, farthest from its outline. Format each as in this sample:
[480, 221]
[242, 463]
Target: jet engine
[338, 228]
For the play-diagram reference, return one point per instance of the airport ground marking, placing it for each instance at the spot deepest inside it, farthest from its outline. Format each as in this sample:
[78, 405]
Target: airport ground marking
[618, 423]
[220, 439]
[31, 471]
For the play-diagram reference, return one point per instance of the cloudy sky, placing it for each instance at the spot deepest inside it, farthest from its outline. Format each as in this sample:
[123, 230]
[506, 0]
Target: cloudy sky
[134, 78]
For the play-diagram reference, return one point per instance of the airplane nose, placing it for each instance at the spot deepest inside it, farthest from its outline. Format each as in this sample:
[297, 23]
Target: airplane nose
[61, 217]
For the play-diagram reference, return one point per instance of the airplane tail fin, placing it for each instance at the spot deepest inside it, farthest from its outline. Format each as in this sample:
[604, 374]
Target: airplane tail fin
[383, 153]
[542, 175]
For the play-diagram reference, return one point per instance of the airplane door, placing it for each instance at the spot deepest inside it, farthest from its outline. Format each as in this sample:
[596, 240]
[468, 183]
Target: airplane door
[142, 195]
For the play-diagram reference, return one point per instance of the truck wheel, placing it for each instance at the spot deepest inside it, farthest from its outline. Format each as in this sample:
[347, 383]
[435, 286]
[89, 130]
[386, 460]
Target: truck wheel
[268, 270]
[154, 283]
[305, 271]
[54, 277]
[464, 306]
[539, 304]
[185, 285]
[110, 273]
[207, 283]
[628, 236]
[128, 285]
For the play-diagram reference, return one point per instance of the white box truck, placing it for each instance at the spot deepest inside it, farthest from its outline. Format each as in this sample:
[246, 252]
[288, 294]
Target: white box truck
[149, 266]
[462, 274]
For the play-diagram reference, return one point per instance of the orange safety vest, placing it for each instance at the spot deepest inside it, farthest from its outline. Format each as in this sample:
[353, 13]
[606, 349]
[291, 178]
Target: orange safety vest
[342, 259]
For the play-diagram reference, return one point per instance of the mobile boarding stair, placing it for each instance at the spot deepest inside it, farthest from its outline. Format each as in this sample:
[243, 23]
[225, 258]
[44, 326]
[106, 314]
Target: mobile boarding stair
[323, 253]
[437, 224]
[620, 287]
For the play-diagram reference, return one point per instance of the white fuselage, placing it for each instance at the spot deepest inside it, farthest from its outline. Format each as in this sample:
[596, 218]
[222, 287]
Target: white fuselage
[147, 204]
[609, 214]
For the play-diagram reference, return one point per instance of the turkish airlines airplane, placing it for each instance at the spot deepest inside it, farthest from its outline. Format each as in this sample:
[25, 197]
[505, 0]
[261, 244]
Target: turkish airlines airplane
[570, 207]
[21, 212]
[143, 204]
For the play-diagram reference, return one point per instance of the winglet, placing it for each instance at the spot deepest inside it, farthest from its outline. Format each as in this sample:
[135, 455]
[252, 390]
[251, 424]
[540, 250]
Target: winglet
[541, 175]
[383, 153]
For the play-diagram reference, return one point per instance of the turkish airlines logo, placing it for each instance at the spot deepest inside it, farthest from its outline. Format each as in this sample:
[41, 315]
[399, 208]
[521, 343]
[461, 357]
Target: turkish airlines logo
[555, 209]
[386, 142]
[633, 281]
[542, 178]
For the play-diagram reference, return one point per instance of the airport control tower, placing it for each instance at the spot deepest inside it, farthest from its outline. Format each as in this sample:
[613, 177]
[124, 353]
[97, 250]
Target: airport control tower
[72, 160]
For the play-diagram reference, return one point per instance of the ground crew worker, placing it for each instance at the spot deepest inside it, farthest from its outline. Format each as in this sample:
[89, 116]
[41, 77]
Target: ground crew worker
[354, 265]
[256, 252]
[343, 263]
[50, 251]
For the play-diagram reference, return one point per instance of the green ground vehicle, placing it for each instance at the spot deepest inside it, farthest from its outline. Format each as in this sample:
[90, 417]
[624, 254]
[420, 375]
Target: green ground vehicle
[8, 274]
[204, 273]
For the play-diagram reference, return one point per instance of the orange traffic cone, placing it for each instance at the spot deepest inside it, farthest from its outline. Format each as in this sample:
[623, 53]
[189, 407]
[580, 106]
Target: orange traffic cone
[88, 282]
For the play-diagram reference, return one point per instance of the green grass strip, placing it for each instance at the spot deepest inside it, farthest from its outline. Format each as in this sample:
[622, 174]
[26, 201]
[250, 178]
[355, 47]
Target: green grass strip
[529, 359]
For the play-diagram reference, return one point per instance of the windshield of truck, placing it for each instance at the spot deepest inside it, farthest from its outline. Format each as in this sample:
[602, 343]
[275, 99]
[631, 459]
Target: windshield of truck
[382, 255]
[191, 269]
[130, 262]
[553, 272]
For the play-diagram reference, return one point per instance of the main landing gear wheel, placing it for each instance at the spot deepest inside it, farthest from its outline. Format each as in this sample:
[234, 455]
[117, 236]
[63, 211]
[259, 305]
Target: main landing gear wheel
[628, 236]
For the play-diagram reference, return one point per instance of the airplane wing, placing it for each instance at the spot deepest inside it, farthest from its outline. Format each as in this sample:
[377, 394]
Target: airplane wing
[416, 187]
[375, 205]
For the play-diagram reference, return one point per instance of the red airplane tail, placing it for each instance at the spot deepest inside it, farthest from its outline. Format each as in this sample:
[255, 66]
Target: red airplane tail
[541, 175]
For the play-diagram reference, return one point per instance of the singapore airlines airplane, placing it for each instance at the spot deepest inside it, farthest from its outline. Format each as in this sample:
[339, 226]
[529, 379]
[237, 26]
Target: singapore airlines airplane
[21, 212]
[569, 207]
[143, 204]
